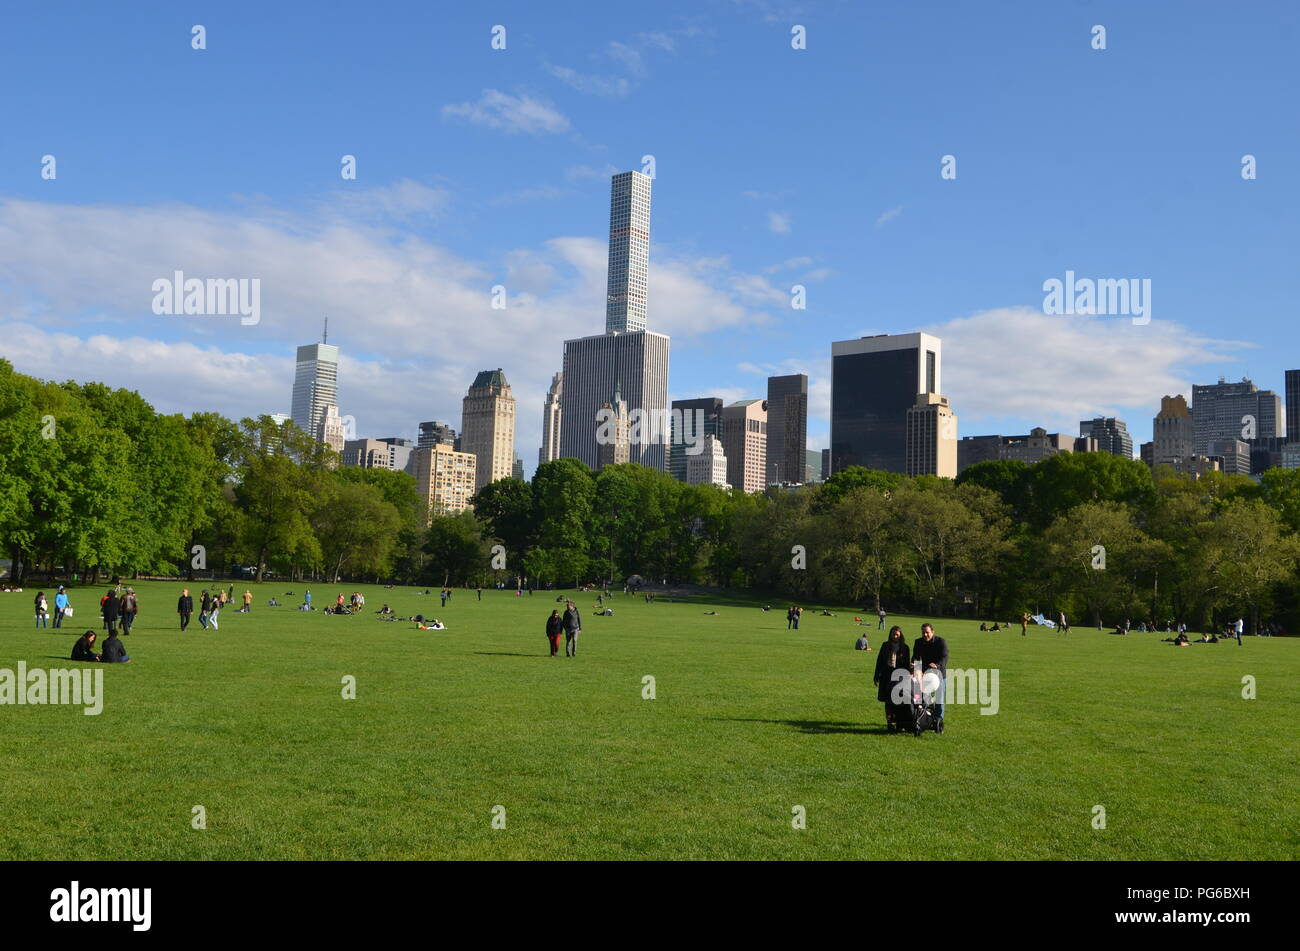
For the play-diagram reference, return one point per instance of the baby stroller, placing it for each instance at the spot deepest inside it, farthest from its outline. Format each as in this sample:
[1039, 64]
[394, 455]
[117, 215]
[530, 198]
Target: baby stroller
[923, 711]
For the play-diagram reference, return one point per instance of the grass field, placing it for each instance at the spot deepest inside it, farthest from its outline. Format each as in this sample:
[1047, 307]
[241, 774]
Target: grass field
[749, 721]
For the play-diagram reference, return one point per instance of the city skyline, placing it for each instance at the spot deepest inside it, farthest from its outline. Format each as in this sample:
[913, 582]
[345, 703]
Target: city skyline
[505, 180]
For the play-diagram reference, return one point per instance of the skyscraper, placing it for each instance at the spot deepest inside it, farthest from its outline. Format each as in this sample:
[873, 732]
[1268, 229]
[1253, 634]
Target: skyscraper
[1173, 435]
[1231, 411]
[1112, 435]
[551, 421]
[444, 477]
[315, 386]
[487, 426]
[874, 383]
[1293, 405]
[626, 355]
[744, 440]
[787, 427]
[612, 433]
[690, 422]
[332, 429]
[931, 437]
[434, 432]
[709, 466]
[629, 253]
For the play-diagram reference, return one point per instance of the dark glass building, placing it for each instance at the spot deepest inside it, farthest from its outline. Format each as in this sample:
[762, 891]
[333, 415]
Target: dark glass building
[874, 382]
[690, 416]
[787, 427]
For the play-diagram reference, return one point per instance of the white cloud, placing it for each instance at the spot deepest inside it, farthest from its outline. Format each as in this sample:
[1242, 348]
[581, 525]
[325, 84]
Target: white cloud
[580, 173]
[889, 216]
[413, 320]
[510, 114]
[628, 56]
[611, 87]
[1017, 363]
[778, 222]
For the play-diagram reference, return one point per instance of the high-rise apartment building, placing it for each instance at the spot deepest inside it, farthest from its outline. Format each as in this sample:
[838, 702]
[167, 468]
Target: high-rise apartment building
[1228, 411]
[1173, 436]
[551, 421]
[931, 438]
[787, 427]
[1112, 435]
[709, 465]
[626, 355]
[1293, 405]
[629, 253]
[445, 478]
[332, 429]
[487, 426]
[690, 421]
[874, 383]
[315, 386]
[744, 440]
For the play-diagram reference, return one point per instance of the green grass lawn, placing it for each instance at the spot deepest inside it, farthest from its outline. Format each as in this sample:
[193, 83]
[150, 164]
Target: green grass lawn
[750, 720]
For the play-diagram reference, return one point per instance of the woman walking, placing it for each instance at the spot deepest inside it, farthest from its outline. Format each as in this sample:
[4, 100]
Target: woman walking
[554, 628]
[893, 656]
[42, 610]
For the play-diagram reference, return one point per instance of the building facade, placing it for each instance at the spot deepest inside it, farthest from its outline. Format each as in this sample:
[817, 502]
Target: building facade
[690, 421]
[787, 427]
[445, 478]
[434, 432]
[931, 447]
[315, 386]
[332, 429]
[744, 441]
[1227, 411]
[551, 421]
[874, 383]
[487, 426]
[709, 466]
[612, 433]
[629, 253]
[1112, 435]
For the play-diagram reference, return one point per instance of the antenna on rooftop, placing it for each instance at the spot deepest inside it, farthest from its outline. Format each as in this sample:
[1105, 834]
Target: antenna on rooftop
[325, 336]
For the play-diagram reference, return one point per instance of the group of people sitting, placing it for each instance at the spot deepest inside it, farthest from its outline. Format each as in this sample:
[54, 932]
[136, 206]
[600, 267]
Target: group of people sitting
[114, 652]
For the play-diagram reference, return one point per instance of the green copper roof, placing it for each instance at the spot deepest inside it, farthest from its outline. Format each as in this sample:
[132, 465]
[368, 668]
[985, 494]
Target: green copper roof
[490, 378]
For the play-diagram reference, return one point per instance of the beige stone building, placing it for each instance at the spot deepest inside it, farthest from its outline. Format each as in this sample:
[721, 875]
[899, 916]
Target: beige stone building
[487, 426]
[744, 442]
[445, 477]
[931, 437]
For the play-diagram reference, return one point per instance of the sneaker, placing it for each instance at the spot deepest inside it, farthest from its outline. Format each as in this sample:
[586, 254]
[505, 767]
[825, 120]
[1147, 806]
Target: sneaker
[938, 727]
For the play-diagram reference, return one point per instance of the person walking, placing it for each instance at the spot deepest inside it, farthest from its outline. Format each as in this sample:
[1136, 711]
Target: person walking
[881, 625]
[42, 611]
[1064, 627]
[307, 598]
[893, 656]
[479, 592]
[554, 628]
[112, 610]
[572, 622]
[931, 653]
[214, 611]
[1024, 624]
[185, 607]
[129, 608]
[248, 601]
[443, 594]
[61, 605]
[798, 613]
[205, 607]
[1240, 626]
[789, 618]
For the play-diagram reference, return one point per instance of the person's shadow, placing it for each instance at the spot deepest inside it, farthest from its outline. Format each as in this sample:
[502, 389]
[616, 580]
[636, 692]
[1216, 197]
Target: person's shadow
[816, 726]
[506, 654]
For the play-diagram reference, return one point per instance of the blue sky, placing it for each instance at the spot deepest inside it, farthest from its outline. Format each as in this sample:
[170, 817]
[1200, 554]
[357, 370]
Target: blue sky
[773, 166]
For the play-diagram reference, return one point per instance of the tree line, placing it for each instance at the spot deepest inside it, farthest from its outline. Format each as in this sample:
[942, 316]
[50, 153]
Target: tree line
[93, 481]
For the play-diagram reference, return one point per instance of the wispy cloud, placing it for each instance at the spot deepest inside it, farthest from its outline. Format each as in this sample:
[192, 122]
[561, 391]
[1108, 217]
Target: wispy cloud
[611, 87]
[778, 222]
[889, 216]
[510, 114]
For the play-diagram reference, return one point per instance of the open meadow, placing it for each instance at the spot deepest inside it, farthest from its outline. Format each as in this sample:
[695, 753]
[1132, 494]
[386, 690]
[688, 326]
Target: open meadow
[749, 720]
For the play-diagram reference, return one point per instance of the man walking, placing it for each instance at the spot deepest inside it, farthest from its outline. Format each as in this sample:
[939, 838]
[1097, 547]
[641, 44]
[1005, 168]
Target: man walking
[1064, 624]
[932, 653]
[479, 592]
[1240, 626]
[881, 625]
[129, 608]
[112, 610]
[185, 607]
[572, 628]
[205, 605]
[1024, 624]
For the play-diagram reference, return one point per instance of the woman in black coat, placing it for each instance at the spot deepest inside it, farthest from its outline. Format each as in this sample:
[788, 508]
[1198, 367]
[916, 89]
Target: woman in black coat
[893, 656]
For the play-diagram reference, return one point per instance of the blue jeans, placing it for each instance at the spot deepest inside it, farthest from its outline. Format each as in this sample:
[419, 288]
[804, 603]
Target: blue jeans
[41, 621]
[58, 618]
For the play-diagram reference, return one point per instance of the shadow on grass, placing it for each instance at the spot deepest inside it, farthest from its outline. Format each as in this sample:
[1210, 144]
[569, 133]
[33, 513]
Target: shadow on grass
[506, 654]
[815, 726]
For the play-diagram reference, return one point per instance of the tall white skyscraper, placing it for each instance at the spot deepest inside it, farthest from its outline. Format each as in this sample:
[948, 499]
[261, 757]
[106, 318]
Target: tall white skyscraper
[315, 385]
[627, 356]
[551, 421]
[629, 253]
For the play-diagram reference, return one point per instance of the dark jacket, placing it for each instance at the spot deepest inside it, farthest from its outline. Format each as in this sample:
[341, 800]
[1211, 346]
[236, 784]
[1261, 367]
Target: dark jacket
[554, 625]
[114, 652]
[572, 621]
[112, 608]
[82, 651]
[206, 604]
[932, 652]
[893, 656]
[185, 604]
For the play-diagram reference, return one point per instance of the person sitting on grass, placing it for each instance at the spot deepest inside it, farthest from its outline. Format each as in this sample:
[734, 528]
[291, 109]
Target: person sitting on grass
[84, 649]
[114, 651]
[385, 610]
[862, 644]
[983, 626]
